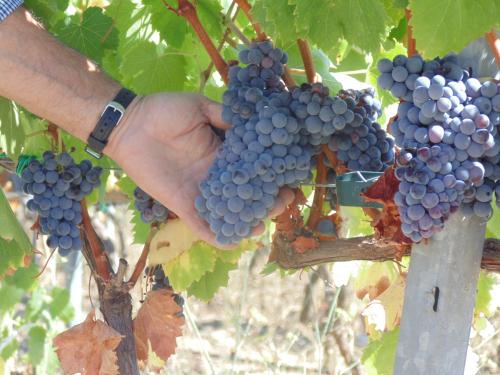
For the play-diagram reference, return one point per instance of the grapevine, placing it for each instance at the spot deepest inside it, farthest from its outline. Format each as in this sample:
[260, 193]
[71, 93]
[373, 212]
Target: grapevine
[292, 127]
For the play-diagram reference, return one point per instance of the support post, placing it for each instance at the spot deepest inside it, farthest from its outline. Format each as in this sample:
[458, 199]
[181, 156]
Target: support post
[439, 300]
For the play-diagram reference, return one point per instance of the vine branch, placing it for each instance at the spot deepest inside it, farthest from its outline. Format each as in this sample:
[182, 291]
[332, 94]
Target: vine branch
[245, 6]
[494, 44]
[362, 248]
[411, 43]
[141, 262]
[97, 259]
[188, 11]
[305, 53]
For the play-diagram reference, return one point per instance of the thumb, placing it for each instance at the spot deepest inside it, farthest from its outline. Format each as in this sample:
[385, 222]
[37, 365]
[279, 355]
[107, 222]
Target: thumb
[213, 111]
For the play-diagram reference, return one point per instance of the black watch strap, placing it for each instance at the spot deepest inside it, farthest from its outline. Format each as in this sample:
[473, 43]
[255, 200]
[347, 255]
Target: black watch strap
[110, 117]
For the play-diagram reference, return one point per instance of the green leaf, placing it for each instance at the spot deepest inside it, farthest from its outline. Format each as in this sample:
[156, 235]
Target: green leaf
[9, 297]
[149, 68]
[210, 14]
[24, 277]
[323, 64]
[36, 344]
[59, 307]
[493, 226]
[139, 228]
[319, 23]
[10, 349]
[49, 11]
[124, 14]
[398, 32]
[190, 266]
[440, 27]
[484, 298]
[212, 281]
[275, 17]
[362, 22]
[12, 134]
[379, 356]
[234, 255]
[90, 33]
[172, 28]
[14, 243]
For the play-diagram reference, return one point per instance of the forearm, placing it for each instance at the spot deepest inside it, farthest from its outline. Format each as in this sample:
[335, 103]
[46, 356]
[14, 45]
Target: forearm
[50, 79]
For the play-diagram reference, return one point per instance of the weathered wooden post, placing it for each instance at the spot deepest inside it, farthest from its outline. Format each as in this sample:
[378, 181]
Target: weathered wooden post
[439, 300]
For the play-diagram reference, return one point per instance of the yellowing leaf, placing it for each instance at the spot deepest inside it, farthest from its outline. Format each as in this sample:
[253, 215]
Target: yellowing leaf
[384, 312]
[157, 325]
[190, 265]
[171, 240]
[88, 348]
[374, 278]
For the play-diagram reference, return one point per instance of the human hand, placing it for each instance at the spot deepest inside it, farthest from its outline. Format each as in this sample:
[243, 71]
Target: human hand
[165, 144]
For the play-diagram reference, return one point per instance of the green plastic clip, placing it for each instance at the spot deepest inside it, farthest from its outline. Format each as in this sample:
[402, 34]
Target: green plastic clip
[23, 162]
[351, 185]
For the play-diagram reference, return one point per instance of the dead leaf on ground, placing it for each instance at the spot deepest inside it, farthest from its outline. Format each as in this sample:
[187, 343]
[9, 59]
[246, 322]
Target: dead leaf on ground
[88, 348]
[157, 325]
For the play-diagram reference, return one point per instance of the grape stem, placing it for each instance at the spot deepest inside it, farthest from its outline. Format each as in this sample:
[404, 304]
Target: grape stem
[305, 53]
[411, 43]
[225, 38]
[494, 44]
[245, 6]
[247, 9]
[188, 11]
[141, 262]
[319, 193]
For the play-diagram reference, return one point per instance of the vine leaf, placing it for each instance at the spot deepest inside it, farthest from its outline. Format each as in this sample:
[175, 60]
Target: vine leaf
[433, 20]
[170, 241]
[190, 265]
[384, 312]
[88, 348]
[318, 23]
[276, 17]
[379, 356]
[150, 68]
[139, 228]
[209, 284]
[14, 243]
[189, 260]
[90, 33]
[157, 325]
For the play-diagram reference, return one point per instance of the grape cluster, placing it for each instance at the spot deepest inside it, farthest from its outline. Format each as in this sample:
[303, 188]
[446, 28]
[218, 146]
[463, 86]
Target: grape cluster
[57, 185]
[151, 210]
[362, 144]
[273, 137]
[261, 152]
[160, 281]
[448, 129]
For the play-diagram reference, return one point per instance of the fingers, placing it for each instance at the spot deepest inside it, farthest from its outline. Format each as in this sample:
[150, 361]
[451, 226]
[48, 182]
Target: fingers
[213, 111]
[285, 197]
[201, 229]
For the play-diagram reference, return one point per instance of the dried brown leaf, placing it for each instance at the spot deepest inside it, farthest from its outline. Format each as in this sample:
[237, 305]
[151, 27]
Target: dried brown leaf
[88, 348]
[158, 325]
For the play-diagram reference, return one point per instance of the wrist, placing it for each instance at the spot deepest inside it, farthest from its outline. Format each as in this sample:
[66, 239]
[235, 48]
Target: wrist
[123, 129]
[110, 118]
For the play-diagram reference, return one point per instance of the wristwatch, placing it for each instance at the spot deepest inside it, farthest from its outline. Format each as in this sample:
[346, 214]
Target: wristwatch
[109, 119]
